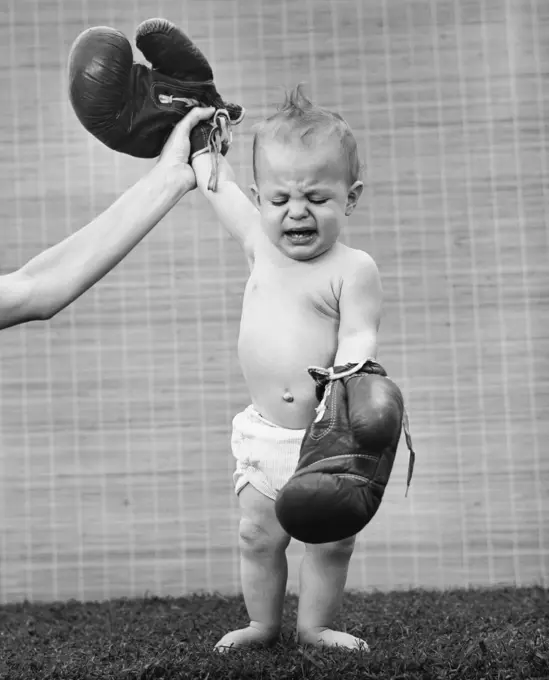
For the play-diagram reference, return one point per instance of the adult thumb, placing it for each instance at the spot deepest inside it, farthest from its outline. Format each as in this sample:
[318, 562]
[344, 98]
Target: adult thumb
[194, 116]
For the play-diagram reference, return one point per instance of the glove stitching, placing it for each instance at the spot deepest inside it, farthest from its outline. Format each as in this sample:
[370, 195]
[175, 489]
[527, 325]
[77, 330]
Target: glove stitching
[366, 480]
[341, 456]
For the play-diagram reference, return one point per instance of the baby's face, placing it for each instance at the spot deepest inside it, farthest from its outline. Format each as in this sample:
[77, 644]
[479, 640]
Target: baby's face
[303, 196]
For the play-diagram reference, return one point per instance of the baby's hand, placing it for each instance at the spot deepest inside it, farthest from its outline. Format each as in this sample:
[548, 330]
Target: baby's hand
[213, 138]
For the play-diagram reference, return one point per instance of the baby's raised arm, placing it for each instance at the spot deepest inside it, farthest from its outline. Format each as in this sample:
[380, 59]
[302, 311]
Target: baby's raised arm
[234, 209]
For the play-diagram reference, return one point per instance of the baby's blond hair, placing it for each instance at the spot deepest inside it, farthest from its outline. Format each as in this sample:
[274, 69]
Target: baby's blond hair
[299, 120]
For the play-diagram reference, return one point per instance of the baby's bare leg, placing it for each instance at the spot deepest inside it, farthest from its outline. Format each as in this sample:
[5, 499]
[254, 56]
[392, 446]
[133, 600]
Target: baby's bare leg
[322, 577]
[264, 571]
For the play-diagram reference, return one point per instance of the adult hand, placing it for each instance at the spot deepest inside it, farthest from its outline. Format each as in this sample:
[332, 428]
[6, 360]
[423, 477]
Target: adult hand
[176, 151]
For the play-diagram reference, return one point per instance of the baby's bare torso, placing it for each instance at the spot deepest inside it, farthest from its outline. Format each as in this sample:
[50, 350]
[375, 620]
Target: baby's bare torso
[290, 321]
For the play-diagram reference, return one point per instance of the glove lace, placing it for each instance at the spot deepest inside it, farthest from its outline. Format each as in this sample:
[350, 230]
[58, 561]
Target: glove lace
[220, 136]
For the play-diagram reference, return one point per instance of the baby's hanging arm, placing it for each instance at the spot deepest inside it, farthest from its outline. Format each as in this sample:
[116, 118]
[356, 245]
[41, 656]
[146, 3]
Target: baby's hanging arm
[360, 308]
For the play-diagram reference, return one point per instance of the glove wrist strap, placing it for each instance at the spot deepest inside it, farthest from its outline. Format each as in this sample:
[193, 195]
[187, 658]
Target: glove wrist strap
[324, 375]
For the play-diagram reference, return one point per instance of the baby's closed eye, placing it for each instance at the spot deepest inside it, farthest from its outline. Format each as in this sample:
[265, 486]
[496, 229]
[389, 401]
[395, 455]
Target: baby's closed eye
[317, 200]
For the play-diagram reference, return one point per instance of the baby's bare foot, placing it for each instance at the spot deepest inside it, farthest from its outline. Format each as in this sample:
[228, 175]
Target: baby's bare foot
[245, 637]
[326, 637]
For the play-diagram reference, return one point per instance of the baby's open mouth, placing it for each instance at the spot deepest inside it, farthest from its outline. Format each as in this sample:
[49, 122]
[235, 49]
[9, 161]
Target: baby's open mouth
[300, 236]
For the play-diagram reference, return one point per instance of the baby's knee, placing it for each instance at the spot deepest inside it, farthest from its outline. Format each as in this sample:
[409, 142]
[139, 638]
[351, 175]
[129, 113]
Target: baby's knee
[259, 538]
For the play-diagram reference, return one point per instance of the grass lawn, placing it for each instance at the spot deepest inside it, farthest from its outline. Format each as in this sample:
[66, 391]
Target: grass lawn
[495, 633]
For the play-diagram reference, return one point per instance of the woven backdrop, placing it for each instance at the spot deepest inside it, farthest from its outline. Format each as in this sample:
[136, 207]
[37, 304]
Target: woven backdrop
[115, 465]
